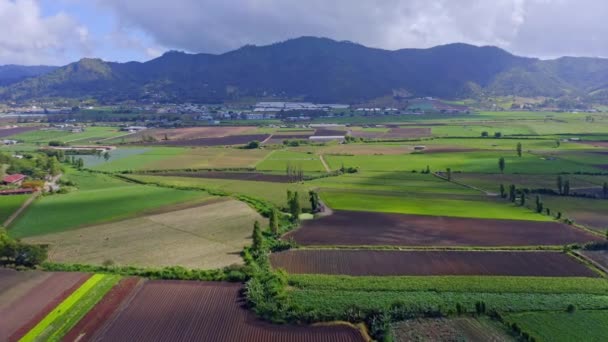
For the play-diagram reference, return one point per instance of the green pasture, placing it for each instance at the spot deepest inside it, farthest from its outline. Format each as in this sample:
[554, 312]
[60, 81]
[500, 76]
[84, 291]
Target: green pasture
[563, 326]
[10, 204]
[275, 193]
[90, 135]
[481, 162]
[279, 160]
[99, 198]
[477, 206]
[491, 182]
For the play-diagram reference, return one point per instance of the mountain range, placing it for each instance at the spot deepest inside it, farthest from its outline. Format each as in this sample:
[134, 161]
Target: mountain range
[313, 69]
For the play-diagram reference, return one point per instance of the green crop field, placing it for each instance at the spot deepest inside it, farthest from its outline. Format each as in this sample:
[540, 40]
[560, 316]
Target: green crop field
[563, 326]
[65, 316]
[9, 204]
[455, 206]
[279, 160]
[99, 199]
[276, 193]
[90, 135]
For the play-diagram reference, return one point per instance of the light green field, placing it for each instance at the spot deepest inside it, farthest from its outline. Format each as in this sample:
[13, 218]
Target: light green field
[67, 314]
[99, 199]
[177, 158]
[90, 135]
[9, 204]
[275, 193]
[482, 162]
[278, 161]
[491, 182]
[455, 206]
[563, 326]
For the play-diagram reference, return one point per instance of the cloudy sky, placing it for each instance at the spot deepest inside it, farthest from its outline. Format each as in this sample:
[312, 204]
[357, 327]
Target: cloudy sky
[60, 31]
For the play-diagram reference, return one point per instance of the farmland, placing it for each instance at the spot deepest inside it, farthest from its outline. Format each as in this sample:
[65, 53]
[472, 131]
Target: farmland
[118, 199]
[9, 204]
[207, 236]
[455, 329]
[390, 263]
[563, 326]
[204, 309]
[366, 228]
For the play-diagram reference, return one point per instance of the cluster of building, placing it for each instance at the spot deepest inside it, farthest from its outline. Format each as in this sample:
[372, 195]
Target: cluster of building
[289, 106]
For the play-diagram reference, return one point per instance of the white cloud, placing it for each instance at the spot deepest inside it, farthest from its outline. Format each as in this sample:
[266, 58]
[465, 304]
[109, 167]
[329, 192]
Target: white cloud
[26, 37]
[535, 27]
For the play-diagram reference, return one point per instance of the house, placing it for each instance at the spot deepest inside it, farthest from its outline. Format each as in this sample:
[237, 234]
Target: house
[15, 179]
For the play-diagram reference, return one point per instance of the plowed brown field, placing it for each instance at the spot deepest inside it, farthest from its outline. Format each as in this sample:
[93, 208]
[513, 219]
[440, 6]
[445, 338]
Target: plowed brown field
[23, 313]
[365, 228]
[202, 311]
[7, 132]
[193, 132]
[218, 141]
[429, 263]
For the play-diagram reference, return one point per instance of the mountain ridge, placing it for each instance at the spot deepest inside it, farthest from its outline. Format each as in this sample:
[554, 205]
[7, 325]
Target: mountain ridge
[320, 70]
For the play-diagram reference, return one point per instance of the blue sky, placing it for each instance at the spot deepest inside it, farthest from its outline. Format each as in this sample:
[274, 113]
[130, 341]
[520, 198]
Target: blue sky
[58, 32]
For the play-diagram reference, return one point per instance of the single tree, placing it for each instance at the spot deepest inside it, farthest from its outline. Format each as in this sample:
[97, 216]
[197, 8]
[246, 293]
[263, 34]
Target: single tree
[428, 170]
[258, 239]
[294, 207]
[560, 185]
[80, 163]
[314, 200]
[484, 134]
[519, 148]
[449, 174]
[567, 187]
[501, 164]
[106, 156]
[548, 211]
[274, 221]
[497, 135]
[522, 199]
[512, 193]
[539, 204]
[557, 143]
[503, 192]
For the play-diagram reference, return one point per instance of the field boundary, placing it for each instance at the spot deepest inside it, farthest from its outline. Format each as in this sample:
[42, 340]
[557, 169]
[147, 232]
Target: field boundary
[21, 209]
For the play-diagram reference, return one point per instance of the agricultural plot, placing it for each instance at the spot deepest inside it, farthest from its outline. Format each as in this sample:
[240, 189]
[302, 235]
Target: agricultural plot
[99, 198]
[479, 162]
[563, 326]
[90, 135]
[29, 300]
[218, 141]
[591, 213]
[12, 131]
[248, 176]
[275, 193]
[491, 182]
[376, 229]
[279, 160]
[189, 133]
[62, 318]
[176, 158]
[429, 263]
[600, 257]
[452, 329]
[208, 236]
[179, 311]
[10, 204]
[453, 205]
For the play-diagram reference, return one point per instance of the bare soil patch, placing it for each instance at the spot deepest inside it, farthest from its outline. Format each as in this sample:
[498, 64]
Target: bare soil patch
[193, 132]
[366, 228]
[395, 133]
[23, 314]
[600, 257]
[7, 132]
[218, 141]
[429, 263]
[102, 311]
[187, 310]
[249, 176]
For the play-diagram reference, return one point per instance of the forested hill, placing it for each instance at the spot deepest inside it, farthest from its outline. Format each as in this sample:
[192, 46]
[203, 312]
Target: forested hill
[322, 70]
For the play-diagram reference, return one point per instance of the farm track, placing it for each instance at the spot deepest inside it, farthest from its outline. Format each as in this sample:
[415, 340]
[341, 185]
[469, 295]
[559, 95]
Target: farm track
[429, 263]
[354, 228]
[21, 209]
[325, 165]
[187, 311]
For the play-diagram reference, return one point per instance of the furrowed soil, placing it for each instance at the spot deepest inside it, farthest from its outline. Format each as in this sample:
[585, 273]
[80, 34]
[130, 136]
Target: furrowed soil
[7, 132]
[187, 311]
[193, 132]
[24, 313]
[102, 311]
[353, 228]
[218, 141]
[429, 263]
[453, 329]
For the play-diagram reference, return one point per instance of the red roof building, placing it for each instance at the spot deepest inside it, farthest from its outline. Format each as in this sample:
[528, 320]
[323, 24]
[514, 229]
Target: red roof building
[13, 179]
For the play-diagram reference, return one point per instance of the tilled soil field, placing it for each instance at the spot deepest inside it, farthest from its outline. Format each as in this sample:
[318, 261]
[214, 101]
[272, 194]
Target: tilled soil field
[429, 263]
[600, 257]
[25, 312]
[453, 329]
[192, 132]
[249, 176]
[203, 311]
[218, 141]
[395, 133]
[7, 132]
[102, 311]
[354, 228]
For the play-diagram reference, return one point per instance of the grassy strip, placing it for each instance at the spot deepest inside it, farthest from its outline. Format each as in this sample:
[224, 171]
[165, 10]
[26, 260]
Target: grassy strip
[315, 305]
[562, 326]
[485, 284]
[230, 273]
[59, 321]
